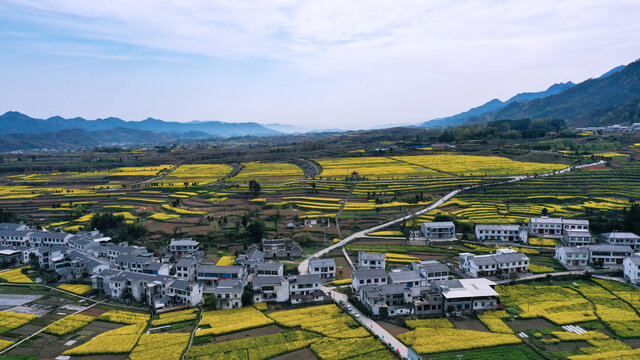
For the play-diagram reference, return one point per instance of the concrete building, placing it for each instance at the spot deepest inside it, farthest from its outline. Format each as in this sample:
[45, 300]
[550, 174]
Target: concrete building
[622, 238]
[572, 257]
[467, 294]
[576, 237]
[632, 269]
[305, 289]
[431, 270]
[609, 255]
[501, 233]
[405, 277]
[269, 268]
[368, 260]
[444, 230]
[184, 247]
[326, 268]
[278, 248]
[209, 274]
[503, 262]
[228, 293]
[186, 269]
[367, 277]
[546, 227]
[270, 288]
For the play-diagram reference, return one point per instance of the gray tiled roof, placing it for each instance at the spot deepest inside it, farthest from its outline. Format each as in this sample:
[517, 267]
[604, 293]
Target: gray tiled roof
[369, 273]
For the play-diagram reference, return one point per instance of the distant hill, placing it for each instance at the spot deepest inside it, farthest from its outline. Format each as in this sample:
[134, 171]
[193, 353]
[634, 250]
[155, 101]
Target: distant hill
[78, 138]
[590, 102]
[495, 105]
[13, 122]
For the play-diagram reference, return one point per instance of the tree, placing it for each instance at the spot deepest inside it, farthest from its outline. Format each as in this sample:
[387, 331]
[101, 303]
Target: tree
[545, 212]
[254, 188]
[256, 229]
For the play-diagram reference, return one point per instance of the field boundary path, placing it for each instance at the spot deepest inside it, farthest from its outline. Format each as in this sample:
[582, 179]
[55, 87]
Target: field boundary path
[15, 344]
[164, 173]
[303, 268]
[423, 166]
[193, 335]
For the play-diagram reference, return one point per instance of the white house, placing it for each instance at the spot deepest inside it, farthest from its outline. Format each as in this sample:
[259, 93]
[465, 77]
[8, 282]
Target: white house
[49, 238]
[632, 269]
[228, 293]
[443, 230]
[571, 256]
[431, 270]
[183, 292]
[406, 277]
[505, 233]
[576, 237]
[186, 269]
[305, 289]
[367, 277]
[503, 262]
[575, 224]
[622, 238]
[546, 227]
[368, 260]
[467, 294]
[183, 247]
[553, 227]
[270, 288]
[209, 274]
[269, 268]
[326, 268]
[609, 255]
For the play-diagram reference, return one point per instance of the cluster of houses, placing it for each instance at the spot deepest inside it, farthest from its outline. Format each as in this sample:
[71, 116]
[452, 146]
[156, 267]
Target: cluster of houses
[421, 288]
[178, 278]
[611, 129]
[578, 250]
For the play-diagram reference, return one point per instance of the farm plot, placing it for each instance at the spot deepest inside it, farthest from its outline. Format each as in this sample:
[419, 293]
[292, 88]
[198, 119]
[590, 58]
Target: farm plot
[262, 347]
[327, 320]
[268, 173]
[373, 168]
[619, 316]
[466, 165]
[429, 340]
[554, 303]
[193, 175]
[226, 321]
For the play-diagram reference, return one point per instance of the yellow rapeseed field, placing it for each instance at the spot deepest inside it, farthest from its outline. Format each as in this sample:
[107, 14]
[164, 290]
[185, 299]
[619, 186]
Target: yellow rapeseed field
[493, 321]
[124, 317]
[10, 320]
[175, 317]
[68, 324]
[16, 276]
[226, 321]
[555, 303]
[327, 320]
[120, 340]
[265, 173]
[467, 165]
[76, 288]
[373, 168]
[164, 346]
[430, 340]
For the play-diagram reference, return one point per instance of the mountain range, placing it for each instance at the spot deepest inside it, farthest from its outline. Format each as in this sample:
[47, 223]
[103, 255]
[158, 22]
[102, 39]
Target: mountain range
[13, 122]
[580, 104]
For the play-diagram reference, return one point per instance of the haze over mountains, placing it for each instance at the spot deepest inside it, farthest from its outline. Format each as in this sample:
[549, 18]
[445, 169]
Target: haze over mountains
[611, 98]
[588, 103]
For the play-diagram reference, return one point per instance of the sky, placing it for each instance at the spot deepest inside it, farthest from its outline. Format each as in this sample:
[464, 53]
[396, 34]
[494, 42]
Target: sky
[315, 64]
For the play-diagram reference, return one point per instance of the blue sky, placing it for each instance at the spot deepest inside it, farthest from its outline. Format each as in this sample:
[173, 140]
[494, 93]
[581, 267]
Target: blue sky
[316, 64]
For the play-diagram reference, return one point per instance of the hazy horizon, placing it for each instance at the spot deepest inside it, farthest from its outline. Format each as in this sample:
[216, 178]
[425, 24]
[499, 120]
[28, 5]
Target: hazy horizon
[347, 65]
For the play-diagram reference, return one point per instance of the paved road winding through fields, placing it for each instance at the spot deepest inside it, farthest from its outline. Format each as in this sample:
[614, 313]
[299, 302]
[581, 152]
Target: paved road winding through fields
[303, 268]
